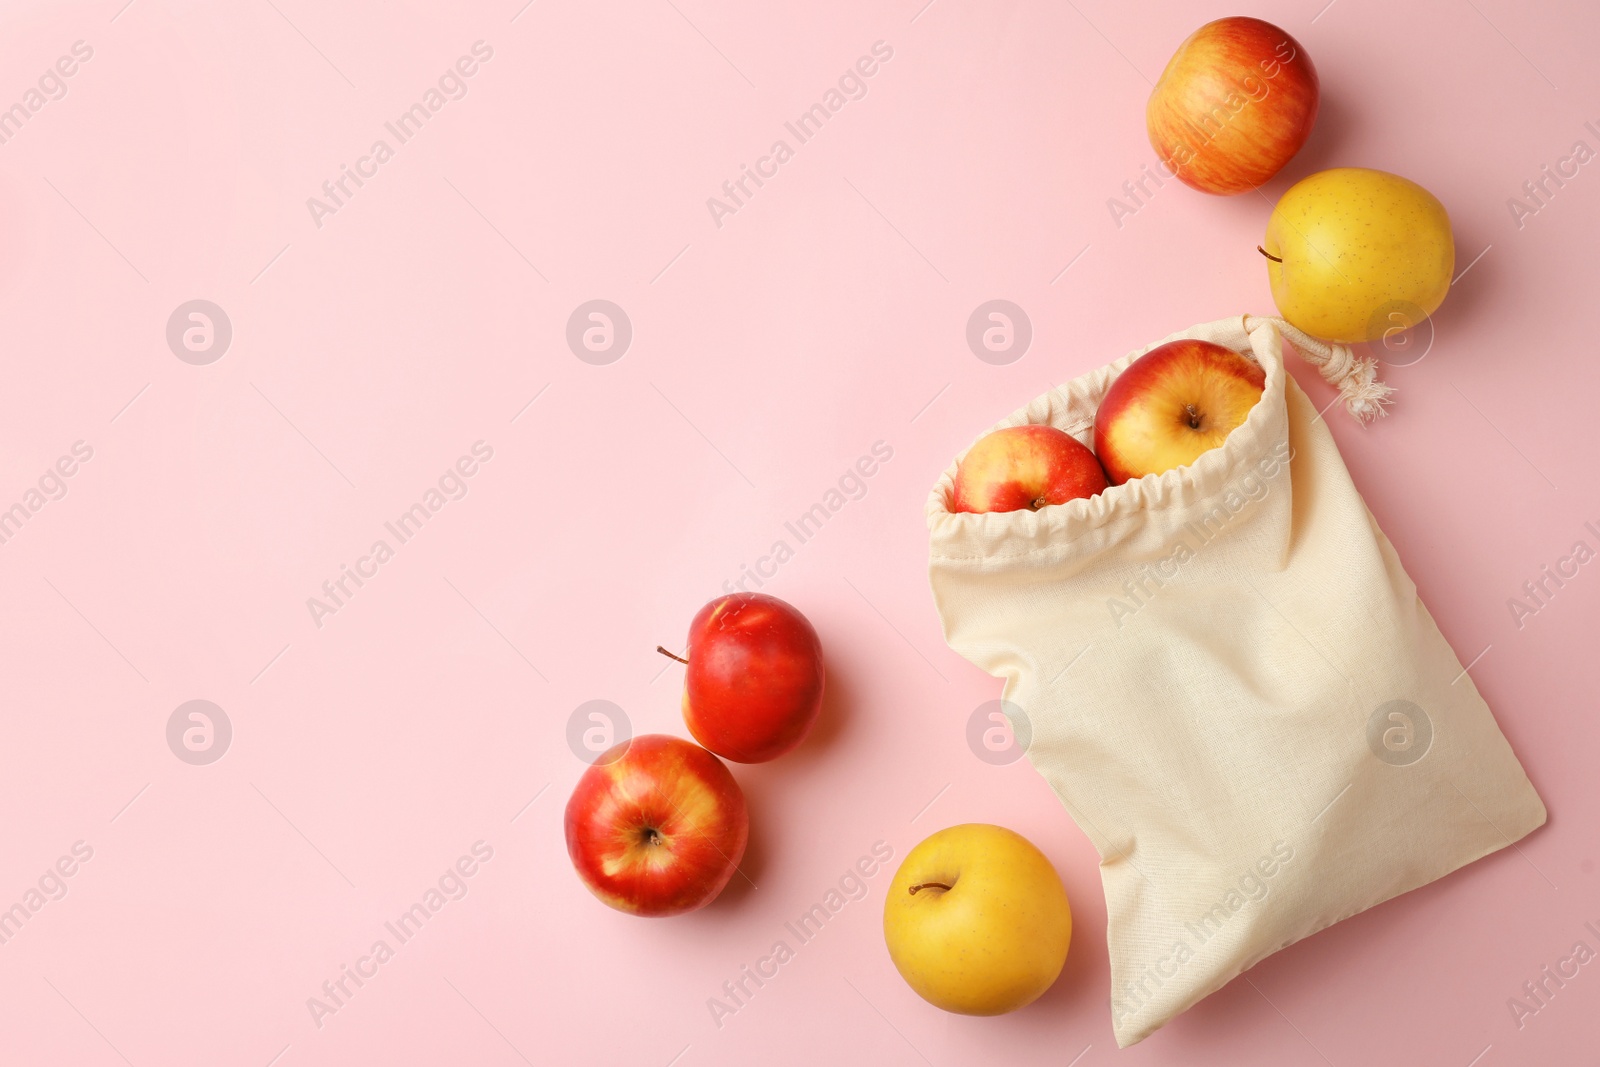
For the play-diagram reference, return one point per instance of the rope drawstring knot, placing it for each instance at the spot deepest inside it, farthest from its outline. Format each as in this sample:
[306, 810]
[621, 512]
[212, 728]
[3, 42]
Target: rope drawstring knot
[1355, 377]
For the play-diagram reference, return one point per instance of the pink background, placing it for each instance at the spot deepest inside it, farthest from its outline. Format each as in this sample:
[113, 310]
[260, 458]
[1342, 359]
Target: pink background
[768, 354]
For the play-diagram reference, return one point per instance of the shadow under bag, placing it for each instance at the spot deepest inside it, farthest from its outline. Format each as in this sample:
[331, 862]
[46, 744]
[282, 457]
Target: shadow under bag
[1230, 682]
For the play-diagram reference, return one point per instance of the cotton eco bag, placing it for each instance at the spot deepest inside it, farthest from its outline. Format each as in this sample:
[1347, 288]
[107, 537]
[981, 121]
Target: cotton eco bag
[1231, 684]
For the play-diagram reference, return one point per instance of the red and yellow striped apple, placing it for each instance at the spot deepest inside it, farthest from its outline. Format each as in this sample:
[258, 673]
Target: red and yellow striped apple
[1235, 103]
[753, 688]
[1171, 404]
[1025, 467]
[656, 826]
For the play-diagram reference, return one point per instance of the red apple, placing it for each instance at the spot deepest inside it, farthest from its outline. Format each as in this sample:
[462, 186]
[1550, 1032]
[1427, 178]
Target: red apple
[1236, 102]
[1173, 403]
[754, 684]
[1025, 467]
[657, 829]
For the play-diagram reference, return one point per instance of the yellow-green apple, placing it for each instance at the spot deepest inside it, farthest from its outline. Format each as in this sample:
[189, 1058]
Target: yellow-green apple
[754, 682]
[977, 921]
[1356, 255]
[657, 828]
[1025, 467]
[1236, 102]
[1171, 404]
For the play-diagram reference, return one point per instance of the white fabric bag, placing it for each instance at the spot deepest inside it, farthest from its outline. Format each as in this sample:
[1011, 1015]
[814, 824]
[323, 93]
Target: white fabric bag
[1229, 681]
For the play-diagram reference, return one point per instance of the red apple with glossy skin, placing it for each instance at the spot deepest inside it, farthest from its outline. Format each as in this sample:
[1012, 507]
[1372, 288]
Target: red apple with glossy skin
[753, 687]
[656, 826]
[1235, 103]
[1171, 404]
[1025, 467]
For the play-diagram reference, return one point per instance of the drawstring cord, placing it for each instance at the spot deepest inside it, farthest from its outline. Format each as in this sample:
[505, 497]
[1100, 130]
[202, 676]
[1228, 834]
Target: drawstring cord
[1356, 378]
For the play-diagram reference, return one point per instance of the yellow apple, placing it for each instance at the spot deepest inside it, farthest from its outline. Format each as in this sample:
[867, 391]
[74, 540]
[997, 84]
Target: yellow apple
[977, 921]
[1355, 254]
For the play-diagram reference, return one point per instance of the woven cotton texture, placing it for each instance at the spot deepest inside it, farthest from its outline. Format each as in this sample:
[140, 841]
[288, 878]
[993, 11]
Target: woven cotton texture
[1231, 684]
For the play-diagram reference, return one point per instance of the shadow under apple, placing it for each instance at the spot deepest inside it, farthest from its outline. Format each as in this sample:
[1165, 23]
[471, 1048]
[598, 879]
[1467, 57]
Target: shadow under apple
[1327, 146]
[747, 878]
[758, 781]
[831, 722]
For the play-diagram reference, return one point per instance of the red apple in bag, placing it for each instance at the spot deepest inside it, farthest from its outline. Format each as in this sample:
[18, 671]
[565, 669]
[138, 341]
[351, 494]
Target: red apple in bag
[753, 687]
[1025, 467]
[1172, 404]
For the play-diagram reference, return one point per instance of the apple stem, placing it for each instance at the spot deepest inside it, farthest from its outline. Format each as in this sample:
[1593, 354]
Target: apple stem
[929, 885]
[1269, 255]
[671, 655]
